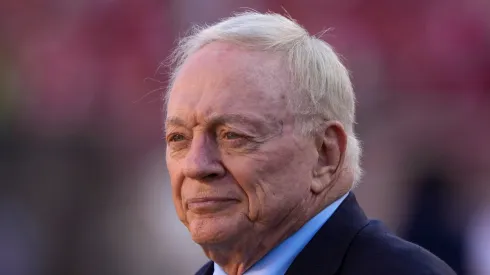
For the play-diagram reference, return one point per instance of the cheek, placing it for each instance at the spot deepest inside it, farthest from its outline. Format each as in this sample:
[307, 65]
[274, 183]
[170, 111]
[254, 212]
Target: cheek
[271, 181]
[176, 180]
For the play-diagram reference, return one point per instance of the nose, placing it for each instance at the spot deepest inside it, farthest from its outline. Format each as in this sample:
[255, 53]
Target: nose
[202, 161]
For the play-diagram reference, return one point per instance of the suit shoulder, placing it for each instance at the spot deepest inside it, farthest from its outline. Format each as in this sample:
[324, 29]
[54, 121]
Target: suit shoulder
[375, 250]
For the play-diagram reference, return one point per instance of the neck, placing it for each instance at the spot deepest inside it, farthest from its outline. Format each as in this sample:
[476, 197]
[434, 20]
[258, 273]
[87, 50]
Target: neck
[238, 255]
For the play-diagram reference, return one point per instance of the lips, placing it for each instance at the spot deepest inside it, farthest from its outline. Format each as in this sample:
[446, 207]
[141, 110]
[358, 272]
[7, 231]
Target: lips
[209, 204]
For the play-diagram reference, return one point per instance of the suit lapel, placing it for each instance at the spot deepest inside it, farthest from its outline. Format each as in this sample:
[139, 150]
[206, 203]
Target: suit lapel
[207, 269]
[323, 255]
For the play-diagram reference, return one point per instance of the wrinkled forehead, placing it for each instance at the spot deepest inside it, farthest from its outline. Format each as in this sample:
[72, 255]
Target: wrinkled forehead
[221, 77]
[221, 57]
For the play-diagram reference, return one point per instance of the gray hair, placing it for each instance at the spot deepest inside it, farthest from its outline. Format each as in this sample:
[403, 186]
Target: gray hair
[323, 87]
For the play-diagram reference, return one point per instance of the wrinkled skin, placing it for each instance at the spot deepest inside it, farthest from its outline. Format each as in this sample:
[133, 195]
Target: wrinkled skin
[242, 178]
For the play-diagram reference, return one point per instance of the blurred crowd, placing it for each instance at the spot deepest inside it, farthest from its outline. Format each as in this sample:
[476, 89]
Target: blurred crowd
[83, 183]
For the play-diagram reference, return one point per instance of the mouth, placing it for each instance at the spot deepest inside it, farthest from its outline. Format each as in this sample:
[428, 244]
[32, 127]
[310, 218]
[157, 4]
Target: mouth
[210, 204]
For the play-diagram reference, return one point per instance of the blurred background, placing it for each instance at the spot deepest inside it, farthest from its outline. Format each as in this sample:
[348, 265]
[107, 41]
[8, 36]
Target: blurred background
[83, 183]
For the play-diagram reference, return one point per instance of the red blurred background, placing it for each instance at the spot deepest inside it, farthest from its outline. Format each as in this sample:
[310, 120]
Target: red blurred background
[83, 181]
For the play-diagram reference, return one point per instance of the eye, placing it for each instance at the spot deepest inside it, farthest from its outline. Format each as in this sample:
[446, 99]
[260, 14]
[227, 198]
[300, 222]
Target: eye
[233, 140]
[231, 135]
[176, 138]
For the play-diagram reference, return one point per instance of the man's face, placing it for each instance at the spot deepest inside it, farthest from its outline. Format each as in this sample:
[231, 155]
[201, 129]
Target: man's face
[235, 165]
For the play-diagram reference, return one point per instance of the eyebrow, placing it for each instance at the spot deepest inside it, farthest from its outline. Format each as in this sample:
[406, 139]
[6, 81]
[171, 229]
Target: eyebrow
[214, 119]
[174, 120]
[234, 118]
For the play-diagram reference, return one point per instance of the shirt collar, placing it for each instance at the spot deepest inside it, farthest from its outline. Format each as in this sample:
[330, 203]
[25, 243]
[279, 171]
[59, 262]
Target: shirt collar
[278, 260]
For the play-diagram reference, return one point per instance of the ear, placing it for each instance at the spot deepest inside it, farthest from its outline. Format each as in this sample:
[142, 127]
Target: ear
[331, 146]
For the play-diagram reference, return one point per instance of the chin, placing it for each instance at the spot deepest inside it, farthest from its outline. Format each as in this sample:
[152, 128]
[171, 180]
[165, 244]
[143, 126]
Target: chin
[214, 230]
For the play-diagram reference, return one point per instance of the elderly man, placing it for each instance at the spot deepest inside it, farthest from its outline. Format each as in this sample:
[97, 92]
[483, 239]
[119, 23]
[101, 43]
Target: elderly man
[262, 155]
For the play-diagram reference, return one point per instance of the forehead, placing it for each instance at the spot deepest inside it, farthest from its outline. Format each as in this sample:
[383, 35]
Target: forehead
[223, 78]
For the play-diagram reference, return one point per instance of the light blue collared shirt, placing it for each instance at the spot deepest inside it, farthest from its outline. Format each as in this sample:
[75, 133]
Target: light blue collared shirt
[278, 260]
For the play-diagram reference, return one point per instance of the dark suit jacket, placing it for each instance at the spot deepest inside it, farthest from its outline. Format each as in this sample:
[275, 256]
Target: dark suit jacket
[350, 244]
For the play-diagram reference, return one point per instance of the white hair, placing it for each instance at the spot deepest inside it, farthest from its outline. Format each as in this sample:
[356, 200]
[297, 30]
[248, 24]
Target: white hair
[323, 89]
